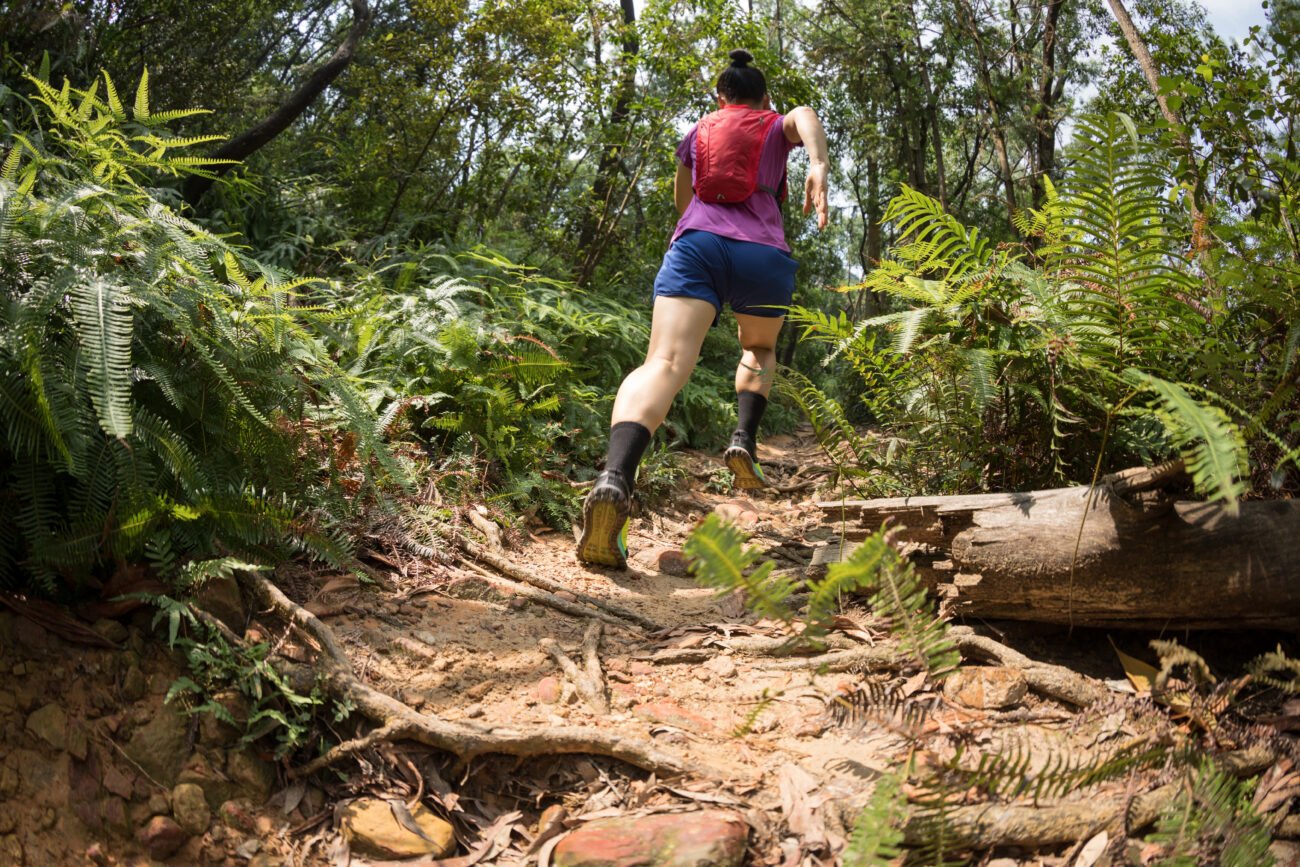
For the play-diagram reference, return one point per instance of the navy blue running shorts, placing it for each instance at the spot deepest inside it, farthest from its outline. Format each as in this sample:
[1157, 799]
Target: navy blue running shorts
[755, 279]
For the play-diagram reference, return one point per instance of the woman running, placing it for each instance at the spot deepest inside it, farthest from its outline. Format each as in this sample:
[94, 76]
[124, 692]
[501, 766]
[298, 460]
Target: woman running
[729, 246]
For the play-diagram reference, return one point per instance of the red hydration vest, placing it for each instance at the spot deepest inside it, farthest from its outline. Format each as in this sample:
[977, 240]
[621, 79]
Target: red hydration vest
[728, 148]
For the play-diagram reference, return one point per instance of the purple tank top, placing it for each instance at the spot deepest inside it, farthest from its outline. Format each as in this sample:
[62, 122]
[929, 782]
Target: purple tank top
[756, 219]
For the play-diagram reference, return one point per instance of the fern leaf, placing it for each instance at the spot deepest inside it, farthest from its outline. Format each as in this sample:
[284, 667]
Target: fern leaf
[877, 837]
[720, 559]
[103, 315]
[115, 106]
[142, 97]
[1212, 446]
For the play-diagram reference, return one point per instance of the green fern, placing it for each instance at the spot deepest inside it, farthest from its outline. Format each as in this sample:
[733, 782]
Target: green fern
[1212, 447]
[720, 559]
[877, 837]
[1212, 821]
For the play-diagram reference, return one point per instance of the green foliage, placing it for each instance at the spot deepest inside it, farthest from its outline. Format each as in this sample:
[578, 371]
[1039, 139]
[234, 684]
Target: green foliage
[877, 837]
[1025, 362]
[154, 400]
[721, 560]
[215, 666]
[1212, 816]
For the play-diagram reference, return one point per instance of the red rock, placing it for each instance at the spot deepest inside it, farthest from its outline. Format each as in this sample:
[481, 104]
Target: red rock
[670, 713]
[636, 666]
[566, 596]
[161, 837]
[670, 561]
[986, 687]
[711, 837]
[548, 690]
[736, 514]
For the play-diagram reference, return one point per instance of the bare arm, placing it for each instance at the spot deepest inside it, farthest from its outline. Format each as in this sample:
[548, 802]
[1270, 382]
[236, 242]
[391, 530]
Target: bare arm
[802, 126]
[682, 192]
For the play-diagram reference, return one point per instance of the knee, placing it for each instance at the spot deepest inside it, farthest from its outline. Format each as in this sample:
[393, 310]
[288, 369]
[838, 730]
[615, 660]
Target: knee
[670, 365]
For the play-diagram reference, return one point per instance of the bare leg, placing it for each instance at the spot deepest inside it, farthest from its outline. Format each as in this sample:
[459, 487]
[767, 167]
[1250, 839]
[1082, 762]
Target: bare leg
[757, 368]
[754, 376]
[676, 334]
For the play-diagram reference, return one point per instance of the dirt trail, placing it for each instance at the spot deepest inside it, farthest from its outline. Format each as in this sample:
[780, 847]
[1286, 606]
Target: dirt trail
[449, 642]
[446, 636]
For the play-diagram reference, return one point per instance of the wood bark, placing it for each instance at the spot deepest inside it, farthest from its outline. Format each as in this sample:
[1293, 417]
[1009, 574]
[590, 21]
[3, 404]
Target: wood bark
[1117, 555]
[251, 140]
[1147, 63]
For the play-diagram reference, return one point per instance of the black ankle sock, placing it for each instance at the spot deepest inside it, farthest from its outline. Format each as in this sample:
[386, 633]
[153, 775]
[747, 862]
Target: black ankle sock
[627, 443]
[749, 412]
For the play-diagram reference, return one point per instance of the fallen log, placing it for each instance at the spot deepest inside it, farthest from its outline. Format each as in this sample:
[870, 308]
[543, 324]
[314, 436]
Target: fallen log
[1117, 555]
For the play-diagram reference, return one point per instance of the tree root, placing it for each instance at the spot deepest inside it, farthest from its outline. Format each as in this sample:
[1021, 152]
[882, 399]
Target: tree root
[550, 600]
[590, 680]
[397, 721]
[1053, 681]
[879, 658]
[505, 567]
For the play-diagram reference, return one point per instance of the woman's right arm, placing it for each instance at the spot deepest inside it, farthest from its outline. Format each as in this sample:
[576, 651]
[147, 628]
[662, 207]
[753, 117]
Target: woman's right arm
[802, 126]
[682, 191]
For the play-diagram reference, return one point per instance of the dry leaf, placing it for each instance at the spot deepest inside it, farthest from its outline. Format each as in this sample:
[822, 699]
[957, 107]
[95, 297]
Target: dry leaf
[1139, 673]
[800, 802]
[1093, 850]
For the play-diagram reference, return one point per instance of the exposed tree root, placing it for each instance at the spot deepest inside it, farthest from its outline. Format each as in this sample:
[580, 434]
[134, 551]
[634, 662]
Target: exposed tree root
[505, 567]
[589, 680]
[879, 658]
[397, 721]
[1053, 681]
[550, 600]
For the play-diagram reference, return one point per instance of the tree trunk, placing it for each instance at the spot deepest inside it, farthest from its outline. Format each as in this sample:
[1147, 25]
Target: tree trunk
[1117, 555]
[1045, 120]
[1200, 228]
[251, 140]
[597, 219]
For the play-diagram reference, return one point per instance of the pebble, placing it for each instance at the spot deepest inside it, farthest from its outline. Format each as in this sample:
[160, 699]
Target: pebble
[161, 837]
[372, 829]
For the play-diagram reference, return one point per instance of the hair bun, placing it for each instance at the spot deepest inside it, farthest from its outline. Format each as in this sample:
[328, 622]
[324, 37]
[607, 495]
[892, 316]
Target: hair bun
[740, 58]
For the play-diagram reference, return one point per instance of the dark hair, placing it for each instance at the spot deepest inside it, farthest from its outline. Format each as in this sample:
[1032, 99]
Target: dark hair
[741, 82]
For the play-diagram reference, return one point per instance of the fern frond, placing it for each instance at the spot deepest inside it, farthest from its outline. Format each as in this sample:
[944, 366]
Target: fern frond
[898, 595]
[1212, 821]
[720, 559]
[105, 329]
[1212, 446]
[877, 837]
[142, 97]
[1277, 670]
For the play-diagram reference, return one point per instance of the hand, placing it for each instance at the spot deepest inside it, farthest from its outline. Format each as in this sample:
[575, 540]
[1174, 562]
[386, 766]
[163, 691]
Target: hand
[814, 193]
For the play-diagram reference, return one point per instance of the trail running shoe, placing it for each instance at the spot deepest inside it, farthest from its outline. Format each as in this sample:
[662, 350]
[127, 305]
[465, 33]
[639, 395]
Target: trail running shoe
[605, 518]
[740, 460]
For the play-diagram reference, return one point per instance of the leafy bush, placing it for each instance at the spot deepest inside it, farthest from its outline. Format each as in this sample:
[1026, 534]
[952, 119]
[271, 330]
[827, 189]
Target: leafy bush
[1012, 367]
[161, 394]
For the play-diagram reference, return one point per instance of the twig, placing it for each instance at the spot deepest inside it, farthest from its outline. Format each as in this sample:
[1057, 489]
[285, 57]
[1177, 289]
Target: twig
[398, 721]
[590, 683]
[505, 567]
